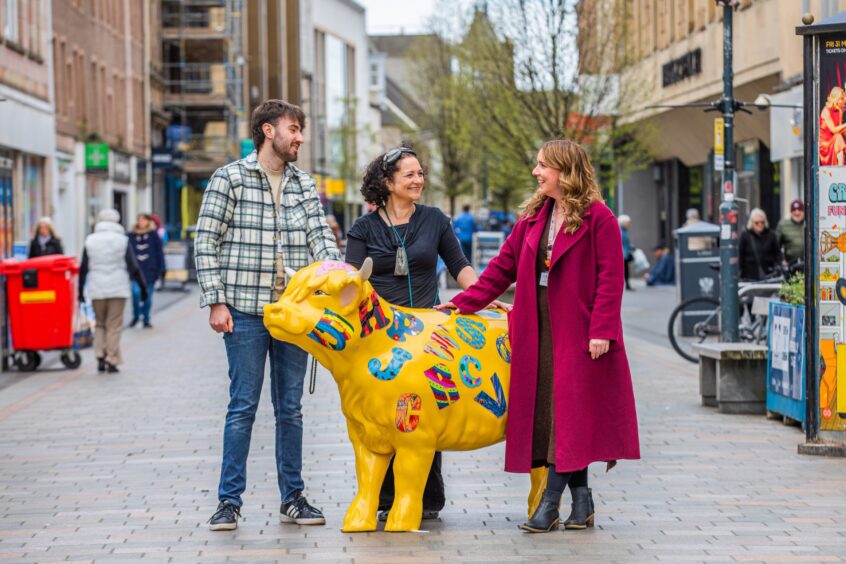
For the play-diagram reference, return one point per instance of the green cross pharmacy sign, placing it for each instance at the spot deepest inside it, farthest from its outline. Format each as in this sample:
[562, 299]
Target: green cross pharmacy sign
[96, 156]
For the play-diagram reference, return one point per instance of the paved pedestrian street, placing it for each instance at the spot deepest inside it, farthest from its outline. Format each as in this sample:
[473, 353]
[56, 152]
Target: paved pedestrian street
[124, 467]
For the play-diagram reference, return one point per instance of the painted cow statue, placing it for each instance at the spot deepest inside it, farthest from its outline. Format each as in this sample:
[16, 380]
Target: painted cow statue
[412, 381]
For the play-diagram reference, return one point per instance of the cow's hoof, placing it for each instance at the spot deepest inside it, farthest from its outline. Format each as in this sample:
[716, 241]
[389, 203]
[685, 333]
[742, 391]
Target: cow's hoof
[358, 528]
[400, 526]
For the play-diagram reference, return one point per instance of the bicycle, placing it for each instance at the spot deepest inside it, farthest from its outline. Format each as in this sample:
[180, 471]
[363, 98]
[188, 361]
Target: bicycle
[697, 320]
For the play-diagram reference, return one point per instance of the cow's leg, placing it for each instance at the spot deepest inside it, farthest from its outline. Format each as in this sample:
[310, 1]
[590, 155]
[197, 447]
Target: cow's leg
[370, 468]
[411, 469]
[538, 477]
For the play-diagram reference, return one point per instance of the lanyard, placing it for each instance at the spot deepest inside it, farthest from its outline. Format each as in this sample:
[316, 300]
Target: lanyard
[551, 239]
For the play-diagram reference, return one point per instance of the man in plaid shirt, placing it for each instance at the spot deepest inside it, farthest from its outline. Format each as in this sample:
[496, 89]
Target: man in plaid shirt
[260, 215]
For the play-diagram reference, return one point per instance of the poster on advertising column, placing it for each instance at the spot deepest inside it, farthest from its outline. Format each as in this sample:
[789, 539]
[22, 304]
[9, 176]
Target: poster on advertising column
[831, 254]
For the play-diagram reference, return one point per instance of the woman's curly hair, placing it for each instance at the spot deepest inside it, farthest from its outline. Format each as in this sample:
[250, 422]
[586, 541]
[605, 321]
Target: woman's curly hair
[374, 186]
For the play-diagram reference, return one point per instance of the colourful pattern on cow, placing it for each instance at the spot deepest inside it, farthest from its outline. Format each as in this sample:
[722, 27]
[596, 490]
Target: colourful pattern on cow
[371, 310]
[471, 332]
[440, 380]
[335, 326]
[490, 314]
[408, 412]
[464, 371]
[398, 359]
[497, 407]
[440, 344]
[404, 323]
[328, 266]
[503, 347]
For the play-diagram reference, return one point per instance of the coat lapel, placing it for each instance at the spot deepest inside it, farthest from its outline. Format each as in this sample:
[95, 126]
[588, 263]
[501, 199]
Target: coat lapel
[537, 221]
[565, 241]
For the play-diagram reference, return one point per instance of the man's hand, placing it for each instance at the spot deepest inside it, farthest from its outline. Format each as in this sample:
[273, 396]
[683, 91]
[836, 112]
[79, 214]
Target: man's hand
[220, 319]
[598, 347]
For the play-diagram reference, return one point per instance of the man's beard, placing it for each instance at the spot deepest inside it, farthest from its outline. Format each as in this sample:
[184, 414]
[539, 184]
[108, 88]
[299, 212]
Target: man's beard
[287, 154]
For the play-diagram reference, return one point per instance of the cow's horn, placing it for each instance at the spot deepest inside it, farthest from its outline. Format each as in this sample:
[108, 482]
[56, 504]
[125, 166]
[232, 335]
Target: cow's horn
[366, 269]
[289, 272]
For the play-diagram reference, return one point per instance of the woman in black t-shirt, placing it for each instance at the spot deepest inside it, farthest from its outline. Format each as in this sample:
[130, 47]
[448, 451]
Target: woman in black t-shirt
[404, 240]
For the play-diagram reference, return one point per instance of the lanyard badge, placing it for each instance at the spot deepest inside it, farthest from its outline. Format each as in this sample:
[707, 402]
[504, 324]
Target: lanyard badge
[544, 277]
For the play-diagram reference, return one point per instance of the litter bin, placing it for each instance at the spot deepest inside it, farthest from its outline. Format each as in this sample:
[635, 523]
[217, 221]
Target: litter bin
[697, 251]
[41, 300]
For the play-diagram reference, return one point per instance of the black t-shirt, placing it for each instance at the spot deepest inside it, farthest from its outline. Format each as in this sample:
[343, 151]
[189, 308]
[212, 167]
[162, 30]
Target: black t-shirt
[427, 234]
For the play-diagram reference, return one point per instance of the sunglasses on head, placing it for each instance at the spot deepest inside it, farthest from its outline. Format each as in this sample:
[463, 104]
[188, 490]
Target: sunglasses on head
[394, 155]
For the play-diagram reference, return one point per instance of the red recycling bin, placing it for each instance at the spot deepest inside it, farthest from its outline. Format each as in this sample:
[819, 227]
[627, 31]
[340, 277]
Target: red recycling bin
[41, 297]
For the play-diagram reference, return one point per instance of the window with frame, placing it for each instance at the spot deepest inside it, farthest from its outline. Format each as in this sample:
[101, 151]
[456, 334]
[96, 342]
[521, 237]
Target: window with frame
[11, 21]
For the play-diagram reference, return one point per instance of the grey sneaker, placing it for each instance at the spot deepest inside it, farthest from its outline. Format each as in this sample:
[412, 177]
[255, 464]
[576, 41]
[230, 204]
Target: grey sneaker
[226, 517]
[298, 511]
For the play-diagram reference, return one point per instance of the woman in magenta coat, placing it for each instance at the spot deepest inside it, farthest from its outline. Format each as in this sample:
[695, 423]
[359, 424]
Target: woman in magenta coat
[571, 400]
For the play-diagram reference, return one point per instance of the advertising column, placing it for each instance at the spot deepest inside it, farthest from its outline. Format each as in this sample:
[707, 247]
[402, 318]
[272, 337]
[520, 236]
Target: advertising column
[830, 253]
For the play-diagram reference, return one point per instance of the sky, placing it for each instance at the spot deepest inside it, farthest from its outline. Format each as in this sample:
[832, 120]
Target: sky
[392, 16]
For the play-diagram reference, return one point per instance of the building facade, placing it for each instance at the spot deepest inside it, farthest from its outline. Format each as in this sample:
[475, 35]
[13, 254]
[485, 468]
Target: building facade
[28, 131]
[674, 56]
[102, 113]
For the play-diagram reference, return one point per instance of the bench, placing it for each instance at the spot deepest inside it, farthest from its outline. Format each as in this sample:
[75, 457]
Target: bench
[733, 377]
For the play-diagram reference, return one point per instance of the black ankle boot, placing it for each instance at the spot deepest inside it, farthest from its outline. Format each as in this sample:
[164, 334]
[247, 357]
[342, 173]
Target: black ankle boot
[546, 517]
[581, 513]
[101, 365]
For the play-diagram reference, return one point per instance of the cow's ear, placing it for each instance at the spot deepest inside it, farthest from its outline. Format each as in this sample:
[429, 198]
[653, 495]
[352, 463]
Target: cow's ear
[349, 296]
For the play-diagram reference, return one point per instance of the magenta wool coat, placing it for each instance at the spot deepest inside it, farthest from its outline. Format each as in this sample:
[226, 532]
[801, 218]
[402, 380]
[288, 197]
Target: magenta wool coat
[595, 417]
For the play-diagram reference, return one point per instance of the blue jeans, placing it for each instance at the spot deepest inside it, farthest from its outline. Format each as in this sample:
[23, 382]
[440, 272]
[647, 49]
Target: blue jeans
[247, 348]
[141, 310]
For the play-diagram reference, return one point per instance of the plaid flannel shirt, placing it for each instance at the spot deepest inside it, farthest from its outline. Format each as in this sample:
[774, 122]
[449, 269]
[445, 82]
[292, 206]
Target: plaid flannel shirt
[235, 247]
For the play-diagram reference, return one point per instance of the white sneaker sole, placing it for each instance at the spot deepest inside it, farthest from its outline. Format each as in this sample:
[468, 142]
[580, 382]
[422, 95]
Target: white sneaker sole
[223, 527]
[302, 521]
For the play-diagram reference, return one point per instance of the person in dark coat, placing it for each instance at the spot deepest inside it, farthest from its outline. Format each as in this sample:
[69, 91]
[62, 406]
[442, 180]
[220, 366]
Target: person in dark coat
[45, 242]
[571, 400]
[147, 247]
[758, 249]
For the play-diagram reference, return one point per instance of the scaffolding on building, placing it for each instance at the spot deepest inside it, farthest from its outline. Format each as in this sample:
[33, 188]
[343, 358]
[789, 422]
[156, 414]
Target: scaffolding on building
[203, 62]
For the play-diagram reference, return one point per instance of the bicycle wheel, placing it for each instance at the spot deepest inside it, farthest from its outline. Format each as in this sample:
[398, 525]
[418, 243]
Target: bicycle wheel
[694, 321]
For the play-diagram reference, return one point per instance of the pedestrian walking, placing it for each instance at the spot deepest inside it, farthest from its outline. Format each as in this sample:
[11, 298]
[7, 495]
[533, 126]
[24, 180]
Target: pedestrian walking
[790, 232]
[628, 250]
[258, 216]
[405, 239]
[465, 226]
[108, 263]
[45, 241]
[571, 401]
[757, 249]
[149, 253]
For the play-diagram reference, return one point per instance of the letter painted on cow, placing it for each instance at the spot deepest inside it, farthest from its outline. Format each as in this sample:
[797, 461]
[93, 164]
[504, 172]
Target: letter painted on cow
[371, 310]
[440, 380]
[399, 358]
[404, 323]
[334, 326]
[464, 371]
[440, 344]
[408, 412]
[497, 407]
[503, 347]
[471, 332]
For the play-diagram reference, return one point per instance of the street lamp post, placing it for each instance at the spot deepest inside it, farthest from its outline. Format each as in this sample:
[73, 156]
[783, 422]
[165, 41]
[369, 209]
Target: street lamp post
[728, 208]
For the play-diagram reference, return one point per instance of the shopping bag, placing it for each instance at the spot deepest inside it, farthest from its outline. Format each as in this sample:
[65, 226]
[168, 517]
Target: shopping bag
[83, 333]
[641, 263]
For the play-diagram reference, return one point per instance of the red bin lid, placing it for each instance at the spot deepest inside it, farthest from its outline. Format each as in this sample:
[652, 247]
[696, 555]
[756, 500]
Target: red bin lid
[49, 262]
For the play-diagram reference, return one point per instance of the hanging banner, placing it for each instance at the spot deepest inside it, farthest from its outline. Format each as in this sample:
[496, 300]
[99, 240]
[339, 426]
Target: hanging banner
[719, 145]
[831, 250]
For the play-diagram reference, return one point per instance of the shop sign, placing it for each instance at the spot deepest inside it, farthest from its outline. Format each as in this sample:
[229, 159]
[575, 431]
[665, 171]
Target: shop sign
[96, 157]
[689, 64]
[121, 167]
[719, 145]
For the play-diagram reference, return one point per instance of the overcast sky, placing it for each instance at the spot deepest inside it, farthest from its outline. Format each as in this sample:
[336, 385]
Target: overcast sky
[391, 16]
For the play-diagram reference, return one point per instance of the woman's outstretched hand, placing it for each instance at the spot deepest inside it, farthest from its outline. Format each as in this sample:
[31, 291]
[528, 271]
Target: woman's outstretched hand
[496, 304]
[448, 305]
[598, 347]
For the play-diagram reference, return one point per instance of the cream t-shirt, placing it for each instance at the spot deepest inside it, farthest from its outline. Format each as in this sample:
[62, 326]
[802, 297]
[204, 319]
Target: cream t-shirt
[275, 180]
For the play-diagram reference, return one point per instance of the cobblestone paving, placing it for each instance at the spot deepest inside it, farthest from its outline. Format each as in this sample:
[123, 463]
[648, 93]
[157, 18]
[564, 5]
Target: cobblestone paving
[124, 468]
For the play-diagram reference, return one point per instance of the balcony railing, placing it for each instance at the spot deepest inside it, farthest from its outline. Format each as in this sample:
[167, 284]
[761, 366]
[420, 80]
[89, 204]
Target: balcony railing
[194, 20]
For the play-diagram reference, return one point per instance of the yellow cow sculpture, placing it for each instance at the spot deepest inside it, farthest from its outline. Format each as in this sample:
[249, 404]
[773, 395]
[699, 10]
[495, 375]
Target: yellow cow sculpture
[412, 381]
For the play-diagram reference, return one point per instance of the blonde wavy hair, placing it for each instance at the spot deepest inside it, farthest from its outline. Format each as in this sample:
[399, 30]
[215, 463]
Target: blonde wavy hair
[575, 179]
[835, 94]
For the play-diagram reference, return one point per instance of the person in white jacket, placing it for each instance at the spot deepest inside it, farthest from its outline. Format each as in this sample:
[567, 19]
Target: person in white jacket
[107, 265]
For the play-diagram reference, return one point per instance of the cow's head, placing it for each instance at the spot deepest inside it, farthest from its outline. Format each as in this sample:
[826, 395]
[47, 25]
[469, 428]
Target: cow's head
[320, 306]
